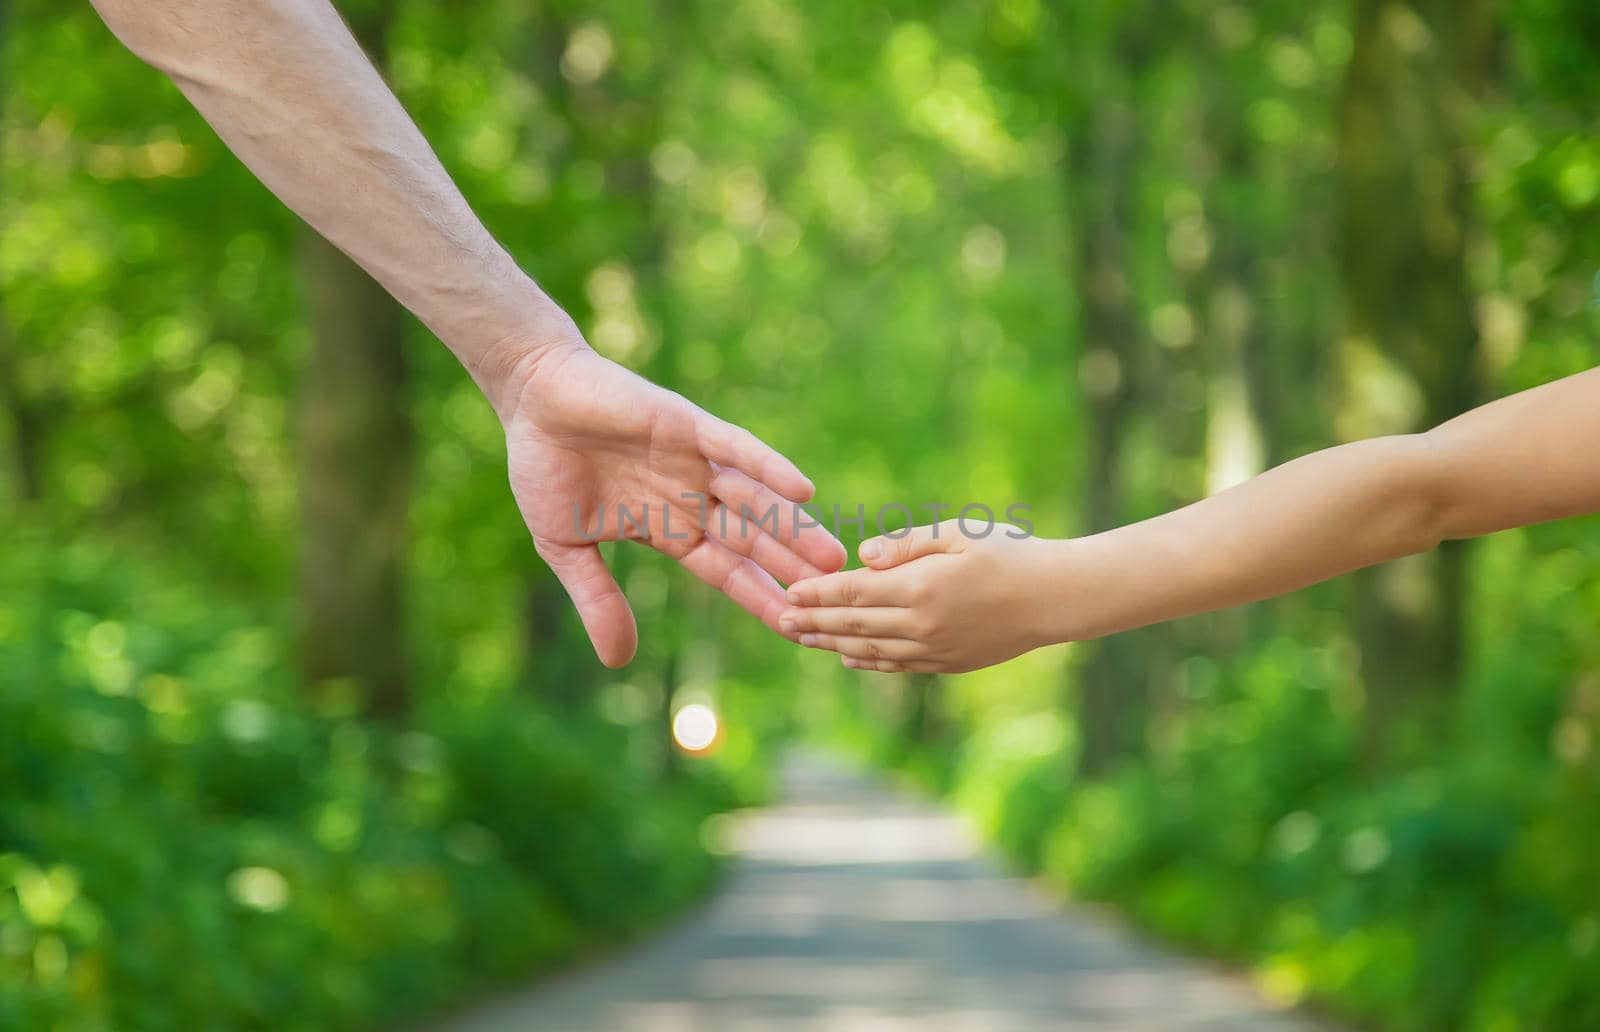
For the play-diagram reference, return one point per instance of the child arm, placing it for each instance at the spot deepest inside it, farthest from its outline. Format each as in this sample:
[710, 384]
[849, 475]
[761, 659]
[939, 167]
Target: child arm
[965, 602]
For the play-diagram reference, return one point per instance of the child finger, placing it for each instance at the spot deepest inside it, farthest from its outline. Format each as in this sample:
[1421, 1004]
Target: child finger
[898, 649]
[883, 666]
[867, 622]
[852, 588]
[889, 666]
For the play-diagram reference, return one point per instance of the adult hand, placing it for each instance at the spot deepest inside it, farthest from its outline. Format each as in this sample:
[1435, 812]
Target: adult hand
[586, 437]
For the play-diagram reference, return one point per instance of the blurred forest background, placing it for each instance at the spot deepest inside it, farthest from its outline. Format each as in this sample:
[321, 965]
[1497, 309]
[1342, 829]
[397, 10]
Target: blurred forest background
[296, 732]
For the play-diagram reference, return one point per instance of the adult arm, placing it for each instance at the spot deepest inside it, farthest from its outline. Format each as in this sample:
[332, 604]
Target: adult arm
[288, 89]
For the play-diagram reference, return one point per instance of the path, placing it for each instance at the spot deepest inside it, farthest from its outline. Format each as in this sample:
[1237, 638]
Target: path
[857, 909]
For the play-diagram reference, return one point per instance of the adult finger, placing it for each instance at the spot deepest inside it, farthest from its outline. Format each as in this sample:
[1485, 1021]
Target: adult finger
[884, 551]
[748, 585]
[862, 621]
[607, 618]
[729, 445]
[766, 552]
[896, 649]
[754, 509]
[854, 588]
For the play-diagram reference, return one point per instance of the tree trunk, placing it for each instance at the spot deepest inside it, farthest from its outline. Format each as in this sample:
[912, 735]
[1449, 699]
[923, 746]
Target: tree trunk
[1408, 304]
[922, 724]
[25, 417]
[1113, 682]
[355, 459]
[355, 450]
[27, 427]
[558, 670]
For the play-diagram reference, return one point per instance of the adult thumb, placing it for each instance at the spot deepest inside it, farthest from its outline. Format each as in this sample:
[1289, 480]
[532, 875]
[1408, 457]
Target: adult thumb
[607, 618]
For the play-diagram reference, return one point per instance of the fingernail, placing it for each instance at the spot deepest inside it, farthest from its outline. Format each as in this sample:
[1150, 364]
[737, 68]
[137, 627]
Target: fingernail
[871, 550]
[808, 640]
[787, 622]
[793, 596]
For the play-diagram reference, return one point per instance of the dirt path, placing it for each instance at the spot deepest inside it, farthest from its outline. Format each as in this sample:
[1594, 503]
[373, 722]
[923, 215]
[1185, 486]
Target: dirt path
[857, 909]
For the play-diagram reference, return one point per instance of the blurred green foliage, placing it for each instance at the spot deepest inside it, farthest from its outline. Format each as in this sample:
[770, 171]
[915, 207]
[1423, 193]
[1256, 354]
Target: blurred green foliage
[872, 234]
[184, 843]
[1458, 892]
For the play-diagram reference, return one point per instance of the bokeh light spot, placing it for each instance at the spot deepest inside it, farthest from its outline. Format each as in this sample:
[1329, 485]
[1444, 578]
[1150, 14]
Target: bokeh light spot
[259, 888]
[695, 727]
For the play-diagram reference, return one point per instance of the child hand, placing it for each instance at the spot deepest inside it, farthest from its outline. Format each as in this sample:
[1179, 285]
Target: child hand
[937, 600]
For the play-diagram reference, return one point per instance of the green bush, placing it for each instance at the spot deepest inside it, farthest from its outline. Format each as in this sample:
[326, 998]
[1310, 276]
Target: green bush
[1459, 893]
[184, 843]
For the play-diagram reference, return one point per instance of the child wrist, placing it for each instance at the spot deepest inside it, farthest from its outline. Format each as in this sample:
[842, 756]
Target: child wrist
[1057, 615]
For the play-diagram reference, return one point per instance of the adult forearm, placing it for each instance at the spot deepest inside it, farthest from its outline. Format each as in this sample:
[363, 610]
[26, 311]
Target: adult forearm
[289, 90]
[1317, 517]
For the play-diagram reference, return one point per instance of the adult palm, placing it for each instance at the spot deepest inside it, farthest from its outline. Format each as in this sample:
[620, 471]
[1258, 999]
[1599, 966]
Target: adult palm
[597, 453]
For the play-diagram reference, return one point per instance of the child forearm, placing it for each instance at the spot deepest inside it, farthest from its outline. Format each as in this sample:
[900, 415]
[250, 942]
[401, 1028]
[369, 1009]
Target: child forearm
[1303, 522]
[1524, 459]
